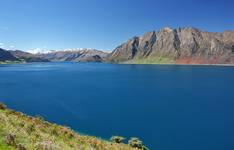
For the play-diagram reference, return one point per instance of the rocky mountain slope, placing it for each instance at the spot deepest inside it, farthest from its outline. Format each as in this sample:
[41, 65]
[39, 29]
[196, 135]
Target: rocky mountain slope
[182, 45]
[27, 57]
[7, 56]
[84, 55]
[21, 132]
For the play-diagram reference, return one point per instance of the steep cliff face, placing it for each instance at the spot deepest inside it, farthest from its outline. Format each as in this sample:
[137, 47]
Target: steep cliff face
[182, 45]
[7, 56]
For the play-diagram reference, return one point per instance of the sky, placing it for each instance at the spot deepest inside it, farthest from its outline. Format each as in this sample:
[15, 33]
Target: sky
[103, 24]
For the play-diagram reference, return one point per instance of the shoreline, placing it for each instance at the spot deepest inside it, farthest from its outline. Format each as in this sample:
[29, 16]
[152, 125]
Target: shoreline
[123, 63]
[178, 64]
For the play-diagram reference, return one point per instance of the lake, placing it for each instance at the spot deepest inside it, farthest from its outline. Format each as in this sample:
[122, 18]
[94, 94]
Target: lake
[169, 107]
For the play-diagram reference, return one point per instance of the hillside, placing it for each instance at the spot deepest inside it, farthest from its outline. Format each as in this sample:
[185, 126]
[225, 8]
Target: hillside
[6, 56]
[22, 132]
[180, 46]
[27, 57]
[84, 55]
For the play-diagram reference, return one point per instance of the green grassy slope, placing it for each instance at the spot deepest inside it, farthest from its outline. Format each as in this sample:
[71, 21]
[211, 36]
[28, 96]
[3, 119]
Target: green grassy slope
[150, 60]
[11, 62]
[18, 130]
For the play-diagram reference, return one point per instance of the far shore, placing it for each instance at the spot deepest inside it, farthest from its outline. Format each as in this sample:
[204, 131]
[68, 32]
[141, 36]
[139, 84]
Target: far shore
[128, 63]
[179, 64]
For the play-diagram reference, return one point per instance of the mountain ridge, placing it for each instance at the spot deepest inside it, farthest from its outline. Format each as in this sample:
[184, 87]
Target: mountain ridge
[6, 56]
[84, 55]
[26, 56]
[186, 45]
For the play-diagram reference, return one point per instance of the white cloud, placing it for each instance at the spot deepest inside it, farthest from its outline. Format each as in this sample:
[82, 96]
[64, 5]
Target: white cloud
[1, 45]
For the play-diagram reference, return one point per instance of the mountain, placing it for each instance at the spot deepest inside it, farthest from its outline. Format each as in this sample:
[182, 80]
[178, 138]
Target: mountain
[84, 55]
[181, 46]
[6, 56]
[27, 57]
[93, 58]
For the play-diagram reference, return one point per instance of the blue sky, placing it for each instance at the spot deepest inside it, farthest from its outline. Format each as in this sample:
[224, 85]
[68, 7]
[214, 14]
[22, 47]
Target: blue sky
[103, 24]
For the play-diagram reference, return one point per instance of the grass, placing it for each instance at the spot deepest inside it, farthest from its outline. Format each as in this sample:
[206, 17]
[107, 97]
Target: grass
[150, 60]
[11, 62]
[35, 133]
[4, 146]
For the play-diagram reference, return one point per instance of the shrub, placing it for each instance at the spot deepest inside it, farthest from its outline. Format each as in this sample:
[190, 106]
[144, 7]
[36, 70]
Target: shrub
[10, 139]
[20, 147]
[39, 117]
[3, 106]
[136, 143]
[30, 128]
[117, 139]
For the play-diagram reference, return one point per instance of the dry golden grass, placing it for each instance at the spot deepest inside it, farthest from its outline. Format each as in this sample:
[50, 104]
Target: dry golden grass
[36, 134]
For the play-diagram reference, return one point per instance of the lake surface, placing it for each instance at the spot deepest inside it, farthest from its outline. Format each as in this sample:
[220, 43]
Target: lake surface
[169, 107]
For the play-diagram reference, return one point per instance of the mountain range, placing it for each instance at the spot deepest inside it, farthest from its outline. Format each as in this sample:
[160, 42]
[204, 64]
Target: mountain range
[177, 46]
[84, 55]
[7, 56]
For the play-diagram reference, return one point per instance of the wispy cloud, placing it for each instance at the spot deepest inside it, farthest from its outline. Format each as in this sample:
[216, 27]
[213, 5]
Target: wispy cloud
[1, 45]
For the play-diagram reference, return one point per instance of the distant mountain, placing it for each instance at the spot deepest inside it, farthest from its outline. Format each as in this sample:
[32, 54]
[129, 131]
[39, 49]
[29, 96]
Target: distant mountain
[27, 57]
[6, 56]
[182, 45]
[84, 55]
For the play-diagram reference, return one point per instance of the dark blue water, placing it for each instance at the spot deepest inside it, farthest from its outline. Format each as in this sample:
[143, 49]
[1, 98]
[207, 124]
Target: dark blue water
[168, 107]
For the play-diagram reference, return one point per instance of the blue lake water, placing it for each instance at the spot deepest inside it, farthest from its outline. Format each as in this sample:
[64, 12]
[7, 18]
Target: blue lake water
[169, 107]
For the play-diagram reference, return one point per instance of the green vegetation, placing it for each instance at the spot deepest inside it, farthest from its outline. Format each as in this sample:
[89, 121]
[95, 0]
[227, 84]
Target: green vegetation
[11, 62]
[150, 60]
[3, 145]
[136, 143]
[21, 132]
[117, 139]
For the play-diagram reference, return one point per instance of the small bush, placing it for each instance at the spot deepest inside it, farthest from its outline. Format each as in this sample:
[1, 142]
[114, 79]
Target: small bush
[20, 147]
[10, 139]
[117, 139]
[136, 143]
[31, 128]
[3, 106]
[39, 117]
